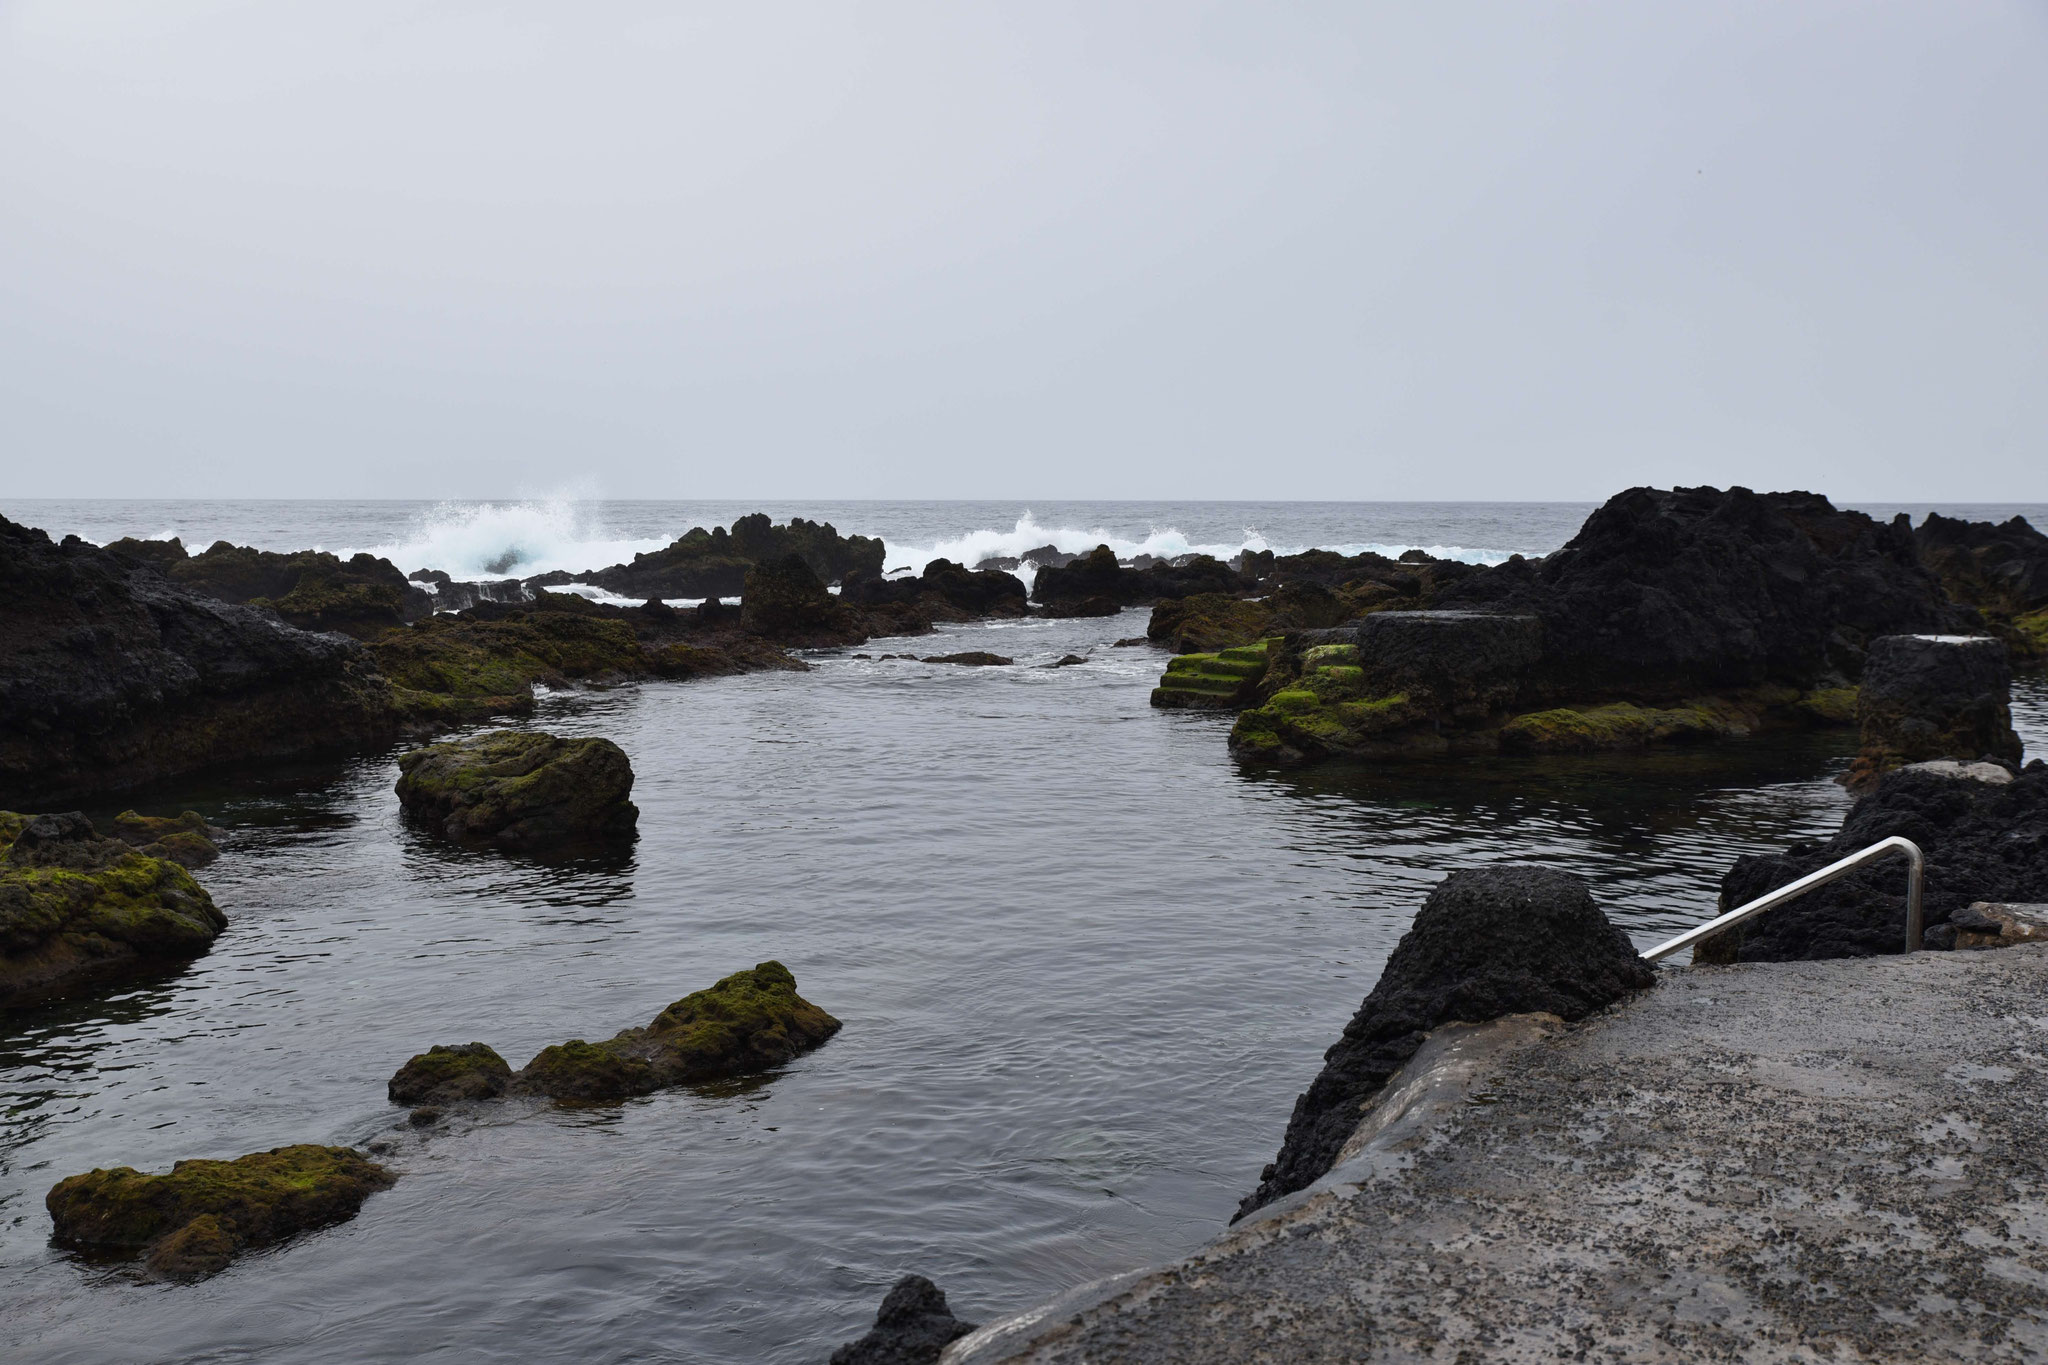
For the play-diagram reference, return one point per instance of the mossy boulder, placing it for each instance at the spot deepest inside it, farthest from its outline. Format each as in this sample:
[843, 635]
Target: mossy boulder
[750, 1021]
[185, 839]
[194, 1220]
[446, 1075]
[1619, 725]
[520, 789]
[457, 667]
[74, 905]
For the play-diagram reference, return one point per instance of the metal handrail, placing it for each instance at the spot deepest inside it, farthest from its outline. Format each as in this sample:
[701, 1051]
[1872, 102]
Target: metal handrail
[1915, 869]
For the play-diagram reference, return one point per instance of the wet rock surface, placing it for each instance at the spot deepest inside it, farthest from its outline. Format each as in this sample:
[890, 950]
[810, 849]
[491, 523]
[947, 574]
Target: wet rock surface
[783, 600]
[973, 658]
[449, 1075]
[913, 1327]
[185, 839]
[1984, 841]
[714, 563]
[1931, 697]
[749, 1021]
[1763, 1162]
[520, 789]
[193, 1221]
[1488, 942]
[113, 676]
[75, 906]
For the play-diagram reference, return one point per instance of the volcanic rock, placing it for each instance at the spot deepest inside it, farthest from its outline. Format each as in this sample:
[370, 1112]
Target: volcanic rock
[520, 789]
[1081, 606]
[112, 677]
[1488, 942]
[1984, 841]
[913, 1327]
[311, 589]
[194, 1220]
[1934, 696]
[783, 600]
[74, 905]
[973, 658]
[749, 1021]
[186, 839]
[2002, 570]
[715, 563]
[447, 1075]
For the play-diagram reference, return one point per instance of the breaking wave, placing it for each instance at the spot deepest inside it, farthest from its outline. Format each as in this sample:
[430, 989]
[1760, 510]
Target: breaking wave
[512, 540]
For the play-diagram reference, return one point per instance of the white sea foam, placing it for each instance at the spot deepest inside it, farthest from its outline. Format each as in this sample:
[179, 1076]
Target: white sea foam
[511, 540]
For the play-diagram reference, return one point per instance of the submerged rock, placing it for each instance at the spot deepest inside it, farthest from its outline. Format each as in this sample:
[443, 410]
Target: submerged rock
[1984, 841]
[448, 1075]
[520, 789]
[1933, 697]
[194, 1220]
[914, 1327]
[1487, 943]
[185, 839]
[75, 905]
[973, 658]
[750, 1021]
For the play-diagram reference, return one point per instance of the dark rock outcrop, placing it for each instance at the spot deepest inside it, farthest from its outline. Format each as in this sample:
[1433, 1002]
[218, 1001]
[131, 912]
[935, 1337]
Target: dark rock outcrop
[1984, 841]
[520, 789]
[784, 600]
[973, 658]
[1933, 696]
[2002, 570]
[112, 676]
[194, 1220]
[913, 1327]
[1098, 577]
[311, 589]
[715, 563]
[185, 839]
[74, 906]
[749, 1021]
[1487, 943]
[449, 1075]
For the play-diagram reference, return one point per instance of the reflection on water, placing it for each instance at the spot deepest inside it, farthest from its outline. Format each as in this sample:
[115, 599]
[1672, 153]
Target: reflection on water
[1084, 964]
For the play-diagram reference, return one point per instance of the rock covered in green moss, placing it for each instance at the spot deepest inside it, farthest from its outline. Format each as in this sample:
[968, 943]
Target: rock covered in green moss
[184, 839]
[192, 1221]
[74, 905]
[1223, 680]
[520, 789]
[1209, 622]
[750, 1021]
[448, 1075]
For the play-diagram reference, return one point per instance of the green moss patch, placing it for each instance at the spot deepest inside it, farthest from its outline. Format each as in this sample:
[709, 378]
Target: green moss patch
[446, 1075]
[194, 1220]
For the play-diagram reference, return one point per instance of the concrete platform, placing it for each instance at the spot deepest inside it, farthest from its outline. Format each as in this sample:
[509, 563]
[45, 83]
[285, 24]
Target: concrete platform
[1769, 1162]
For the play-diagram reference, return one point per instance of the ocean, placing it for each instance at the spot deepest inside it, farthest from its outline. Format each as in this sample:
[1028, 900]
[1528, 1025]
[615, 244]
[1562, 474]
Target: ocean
[1085, 963]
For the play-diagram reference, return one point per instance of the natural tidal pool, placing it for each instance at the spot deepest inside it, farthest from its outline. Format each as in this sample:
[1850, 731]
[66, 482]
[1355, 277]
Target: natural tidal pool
[1084, 962]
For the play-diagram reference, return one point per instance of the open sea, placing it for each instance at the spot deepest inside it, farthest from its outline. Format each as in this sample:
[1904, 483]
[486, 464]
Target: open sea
[1084, 961]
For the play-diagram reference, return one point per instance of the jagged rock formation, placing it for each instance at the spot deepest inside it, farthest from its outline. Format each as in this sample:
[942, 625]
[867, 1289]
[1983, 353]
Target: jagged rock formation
[74, 906]
[944, 591]
[311, 589]
[913, 1327]
[1487, 943]
[1682, 614]
[111, 677]
[520, 789]
[783, 600]
[1933, 696]
[714, 563]
[1985, 840]
[2002, 570]
[193, 1221]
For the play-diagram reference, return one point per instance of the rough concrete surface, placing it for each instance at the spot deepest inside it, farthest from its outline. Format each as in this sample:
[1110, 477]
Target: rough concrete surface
[1839, 1160]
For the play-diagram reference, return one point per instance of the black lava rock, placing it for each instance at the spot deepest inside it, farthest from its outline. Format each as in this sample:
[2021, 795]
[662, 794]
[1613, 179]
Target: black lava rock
[1936, 696]
[913, 1328]
[1984, 841]
[1488, 942]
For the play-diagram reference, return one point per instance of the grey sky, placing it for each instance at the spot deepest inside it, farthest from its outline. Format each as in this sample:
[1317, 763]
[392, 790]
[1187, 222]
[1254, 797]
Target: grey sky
[1511, 250]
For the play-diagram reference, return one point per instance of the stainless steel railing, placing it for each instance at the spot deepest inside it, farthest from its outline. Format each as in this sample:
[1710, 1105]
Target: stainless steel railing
[1916, 866]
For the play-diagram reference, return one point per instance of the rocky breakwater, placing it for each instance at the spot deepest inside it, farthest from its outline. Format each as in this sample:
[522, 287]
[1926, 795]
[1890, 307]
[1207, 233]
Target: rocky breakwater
[520, 789]
[715, 563]
[748, 1022]
[1983, 828]
[1933, 696]
[192, 1221]
[1673, 616]
[1487, 943]
[75, 906]
[113, 676]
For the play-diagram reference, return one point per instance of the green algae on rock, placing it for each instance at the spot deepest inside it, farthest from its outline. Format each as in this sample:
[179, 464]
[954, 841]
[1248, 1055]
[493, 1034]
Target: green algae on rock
[1222, 680]
[750, 1021]
[74, 905]
[447, 1075]
[520, 789]
[192, 1221]
[184, 839]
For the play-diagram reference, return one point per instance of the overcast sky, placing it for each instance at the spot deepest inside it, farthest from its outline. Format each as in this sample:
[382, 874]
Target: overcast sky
[1416, 250]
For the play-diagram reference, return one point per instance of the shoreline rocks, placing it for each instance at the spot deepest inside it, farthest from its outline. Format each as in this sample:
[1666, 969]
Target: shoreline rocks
[715, 563]
[913, 1327]
[520, 789]
[450, 1075]
[193, 1221]
[1932, 697]
[75, 906]
[1488, 942]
